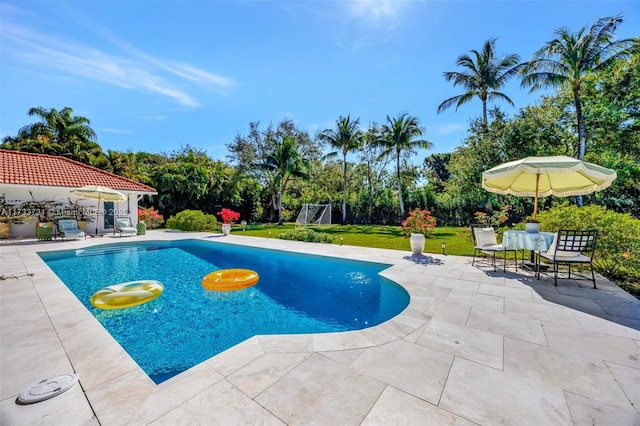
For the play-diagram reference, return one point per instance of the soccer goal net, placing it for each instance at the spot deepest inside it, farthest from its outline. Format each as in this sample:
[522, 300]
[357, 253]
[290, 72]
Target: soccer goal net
[314, 214]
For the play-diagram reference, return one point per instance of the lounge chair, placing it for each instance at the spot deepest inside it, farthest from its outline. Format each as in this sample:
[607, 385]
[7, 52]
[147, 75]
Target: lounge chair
[123, 227]
[570, 246]
[484, 241]
[68, 228]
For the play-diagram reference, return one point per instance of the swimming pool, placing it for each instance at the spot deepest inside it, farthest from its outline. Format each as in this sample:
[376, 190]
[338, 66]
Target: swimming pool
[297, 293]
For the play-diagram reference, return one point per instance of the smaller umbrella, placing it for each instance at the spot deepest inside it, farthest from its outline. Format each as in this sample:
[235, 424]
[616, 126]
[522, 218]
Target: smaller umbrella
[99, 192]
[543, 176]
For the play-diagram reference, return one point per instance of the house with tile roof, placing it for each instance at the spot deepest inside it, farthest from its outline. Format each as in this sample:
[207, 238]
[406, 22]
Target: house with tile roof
[28, 180]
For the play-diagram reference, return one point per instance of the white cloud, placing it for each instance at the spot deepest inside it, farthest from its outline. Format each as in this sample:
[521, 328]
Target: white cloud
[153, 117]
[131, 69]
[115, 131]
[377, 13]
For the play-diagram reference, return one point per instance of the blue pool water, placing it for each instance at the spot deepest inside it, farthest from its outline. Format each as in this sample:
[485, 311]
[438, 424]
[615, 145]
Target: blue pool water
[297, 293]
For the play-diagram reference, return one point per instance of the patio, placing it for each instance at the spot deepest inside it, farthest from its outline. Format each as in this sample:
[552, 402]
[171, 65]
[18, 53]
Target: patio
[473, 347]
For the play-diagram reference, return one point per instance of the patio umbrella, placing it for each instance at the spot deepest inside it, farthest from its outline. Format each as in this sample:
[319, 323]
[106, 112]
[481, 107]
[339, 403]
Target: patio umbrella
[99, 192]
[543, 176]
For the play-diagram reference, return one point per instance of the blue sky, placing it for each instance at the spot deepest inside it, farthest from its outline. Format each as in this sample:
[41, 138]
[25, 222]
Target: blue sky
[152, 75]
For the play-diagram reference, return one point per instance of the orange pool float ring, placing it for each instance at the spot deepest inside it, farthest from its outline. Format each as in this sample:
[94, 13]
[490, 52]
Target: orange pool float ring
[230, 279]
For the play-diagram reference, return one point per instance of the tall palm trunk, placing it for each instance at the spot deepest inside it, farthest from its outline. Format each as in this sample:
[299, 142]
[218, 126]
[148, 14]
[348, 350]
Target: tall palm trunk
[399, 186]
[344, 183]
[280, 193]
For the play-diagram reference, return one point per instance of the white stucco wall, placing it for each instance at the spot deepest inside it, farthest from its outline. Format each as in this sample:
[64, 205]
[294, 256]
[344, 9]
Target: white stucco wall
[19, 194]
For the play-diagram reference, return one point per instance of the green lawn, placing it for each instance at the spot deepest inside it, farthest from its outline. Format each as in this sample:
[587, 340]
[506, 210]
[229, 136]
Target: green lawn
[458, 242]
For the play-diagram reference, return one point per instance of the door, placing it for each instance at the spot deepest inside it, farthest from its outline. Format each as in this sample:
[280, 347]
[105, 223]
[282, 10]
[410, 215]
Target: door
[108, 215]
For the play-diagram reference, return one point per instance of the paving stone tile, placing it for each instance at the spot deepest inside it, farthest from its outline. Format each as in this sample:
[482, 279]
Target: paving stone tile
[221, 404]
[456, 283]
[345, 357]
[413, 337]
[506, 292]
[620, 307]
[174, 392]
[499, 323]
[629, 380]
[615, 326]
[474, 299]
[116, 401]
[395, 407]
[577, 303]
[321, 391]
[543, 365]
[475, 345]
[592, 346]
[518, 309]
[262, 372]
[415, 369]
[488, 396]
[478, 276]
[338, 341]
[585, 411]
[286, 343]
[236, 357]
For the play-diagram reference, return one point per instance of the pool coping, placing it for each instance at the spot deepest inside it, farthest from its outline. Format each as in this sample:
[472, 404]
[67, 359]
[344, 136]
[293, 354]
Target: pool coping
[76, 341]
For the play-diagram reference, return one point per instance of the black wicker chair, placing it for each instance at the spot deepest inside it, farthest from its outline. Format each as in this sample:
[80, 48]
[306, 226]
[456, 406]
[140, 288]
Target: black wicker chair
[569, 247]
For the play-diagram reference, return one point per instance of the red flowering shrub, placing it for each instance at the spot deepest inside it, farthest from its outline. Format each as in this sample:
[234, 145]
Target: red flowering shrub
[419, 222]
[497, 218]
[228, 215]
[150, 217]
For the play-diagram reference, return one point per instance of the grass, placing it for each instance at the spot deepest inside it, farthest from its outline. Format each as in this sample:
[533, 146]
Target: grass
[377, 236]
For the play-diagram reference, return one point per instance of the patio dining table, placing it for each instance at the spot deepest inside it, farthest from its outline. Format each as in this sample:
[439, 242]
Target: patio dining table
[535, 241]
[523, 240]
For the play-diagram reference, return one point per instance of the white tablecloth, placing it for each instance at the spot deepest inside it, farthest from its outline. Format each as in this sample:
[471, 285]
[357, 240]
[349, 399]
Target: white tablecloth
[538, 241]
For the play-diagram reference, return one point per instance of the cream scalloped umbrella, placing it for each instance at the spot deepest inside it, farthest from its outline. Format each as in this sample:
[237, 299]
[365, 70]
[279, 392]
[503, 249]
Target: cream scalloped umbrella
[100, 193]
[543, 176]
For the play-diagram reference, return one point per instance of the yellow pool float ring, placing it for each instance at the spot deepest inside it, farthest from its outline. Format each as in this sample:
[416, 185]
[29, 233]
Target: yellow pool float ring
[230, 279]
[128, 294]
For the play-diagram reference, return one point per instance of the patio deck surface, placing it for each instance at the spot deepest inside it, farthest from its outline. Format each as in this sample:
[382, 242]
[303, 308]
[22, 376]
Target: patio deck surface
[472, 347]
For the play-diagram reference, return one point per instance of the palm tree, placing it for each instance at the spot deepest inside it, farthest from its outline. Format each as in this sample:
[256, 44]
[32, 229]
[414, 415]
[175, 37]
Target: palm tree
[61, 129]
[571, 57]
[346, 137]
[486, 75]
[399, 135]
[286, 162]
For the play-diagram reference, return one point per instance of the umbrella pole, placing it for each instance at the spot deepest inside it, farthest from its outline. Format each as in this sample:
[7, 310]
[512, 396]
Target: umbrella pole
[97, 214]
[535, 203]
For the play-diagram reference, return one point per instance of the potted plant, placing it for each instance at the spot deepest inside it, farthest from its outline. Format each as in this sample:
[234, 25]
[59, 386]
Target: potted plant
[532, 225]
[228, 217]
[417, 226]
[9, 214]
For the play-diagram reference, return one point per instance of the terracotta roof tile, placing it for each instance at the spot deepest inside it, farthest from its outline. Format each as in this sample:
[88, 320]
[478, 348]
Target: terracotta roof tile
[23, 168]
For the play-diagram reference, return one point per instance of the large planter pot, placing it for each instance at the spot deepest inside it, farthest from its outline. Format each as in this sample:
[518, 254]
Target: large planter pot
[226, 228]
[25, 229]
[532, 227]
[417, 243]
